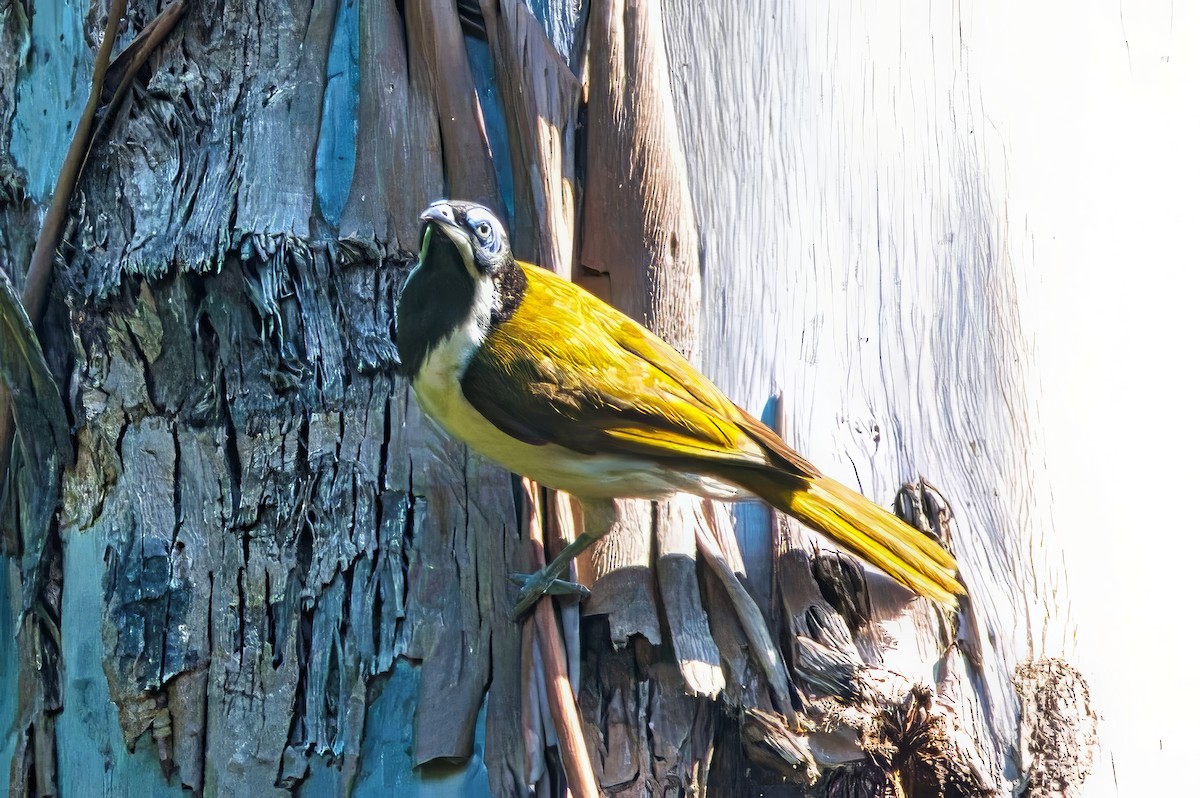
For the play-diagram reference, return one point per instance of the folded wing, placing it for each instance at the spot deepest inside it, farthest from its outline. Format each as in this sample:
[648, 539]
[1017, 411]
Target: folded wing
[608, 386]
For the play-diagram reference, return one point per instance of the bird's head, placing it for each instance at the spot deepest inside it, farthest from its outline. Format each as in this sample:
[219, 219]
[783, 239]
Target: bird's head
[465, 281]
[475, 232]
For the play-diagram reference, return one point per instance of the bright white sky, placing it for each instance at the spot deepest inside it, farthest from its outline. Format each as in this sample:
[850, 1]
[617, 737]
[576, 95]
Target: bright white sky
[1098, 105]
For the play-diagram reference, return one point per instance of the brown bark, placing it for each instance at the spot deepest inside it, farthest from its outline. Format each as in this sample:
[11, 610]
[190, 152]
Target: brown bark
[261, 535]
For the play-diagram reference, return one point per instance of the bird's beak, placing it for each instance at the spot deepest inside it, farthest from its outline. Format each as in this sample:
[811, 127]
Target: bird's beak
[441, 215]
[439, 212]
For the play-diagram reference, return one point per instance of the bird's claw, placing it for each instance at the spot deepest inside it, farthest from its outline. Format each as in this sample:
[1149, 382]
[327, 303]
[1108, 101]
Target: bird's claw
[534, 586]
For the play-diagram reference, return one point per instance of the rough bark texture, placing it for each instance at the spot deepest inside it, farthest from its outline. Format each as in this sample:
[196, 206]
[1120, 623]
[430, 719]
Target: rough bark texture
[259, 522]
[271, 574]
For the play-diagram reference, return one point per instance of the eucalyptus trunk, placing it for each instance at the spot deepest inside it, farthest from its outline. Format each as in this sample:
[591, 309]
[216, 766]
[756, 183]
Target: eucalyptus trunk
[269, 574]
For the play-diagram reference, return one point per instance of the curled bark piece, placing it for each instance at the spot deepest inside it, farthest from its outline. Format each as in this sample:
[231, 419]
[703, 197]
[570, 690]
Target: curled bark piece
[440, 50]
[695, 650]
[25, 381]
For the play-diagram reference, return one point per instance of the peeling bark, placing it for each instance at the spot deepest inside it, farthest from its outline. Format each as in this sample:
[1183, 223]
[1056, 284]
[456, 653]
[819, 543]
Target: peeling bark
[271, 574]
[253, 491]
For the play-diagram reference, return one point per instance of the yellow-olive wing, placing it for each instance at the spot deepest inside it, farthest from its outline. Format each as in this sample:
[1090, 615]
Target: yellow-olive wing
[566, 368]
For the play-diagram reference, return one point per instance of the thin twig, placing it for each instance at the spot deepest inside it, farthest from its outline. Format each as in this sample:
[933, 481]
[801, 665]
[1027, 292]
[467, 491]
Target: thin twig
[576, 762]
[563, 525]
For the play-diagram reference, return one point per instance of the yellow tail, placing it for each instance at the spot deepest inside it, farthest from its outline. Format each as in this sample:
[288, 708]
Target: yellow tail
[865, 529]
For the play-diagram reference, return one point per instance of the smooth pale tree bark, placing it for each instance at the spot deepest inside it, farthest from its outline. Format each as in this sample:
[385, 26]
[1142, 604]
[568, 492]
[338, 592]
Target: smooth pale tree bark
[853, 219]
[271, 574]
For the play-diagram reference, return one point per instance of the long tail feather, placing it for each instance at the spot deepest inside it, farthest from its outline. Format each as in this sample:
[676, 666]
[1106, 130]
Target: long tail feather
[865, 529]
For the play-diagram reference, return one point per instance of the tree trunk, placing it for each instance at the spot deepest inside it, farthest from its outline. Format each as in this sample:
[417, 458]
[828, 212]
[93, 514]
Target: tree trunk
[270, 574]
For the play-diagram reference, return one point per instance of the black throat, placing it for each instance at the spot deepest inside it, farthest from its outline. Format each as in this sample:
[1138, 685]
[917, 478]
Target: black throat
[438, 299]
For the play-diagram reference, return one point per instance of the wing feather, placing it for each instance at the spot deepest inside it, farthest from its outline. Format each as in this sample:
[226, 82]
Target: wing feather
[608, 386]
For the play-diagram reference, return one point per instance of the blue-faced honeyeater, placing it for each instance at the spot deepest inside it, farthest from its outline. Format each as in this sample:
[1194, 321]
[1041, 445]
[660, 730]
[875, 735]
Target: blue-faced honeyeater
[537, 374]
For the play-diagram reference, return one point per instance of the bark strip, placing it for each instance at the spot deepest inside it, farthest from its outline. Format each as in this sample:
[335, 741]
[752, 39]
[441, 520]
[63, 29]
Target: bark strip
[563, 711]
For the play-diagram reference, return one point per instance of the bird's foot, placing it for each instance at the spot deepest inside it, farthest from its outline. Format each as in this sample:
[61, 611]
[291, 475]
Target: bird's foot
[542, 583]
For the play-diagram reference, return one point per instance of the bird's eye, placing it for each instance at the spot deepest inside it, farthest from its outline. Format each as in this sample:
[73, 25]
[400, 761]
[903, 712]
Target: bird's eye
[484, 229]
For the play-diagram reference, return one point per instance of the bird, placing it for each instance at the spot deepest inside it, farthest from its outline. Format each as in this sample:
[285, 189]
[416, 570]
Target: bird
[537, 374]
